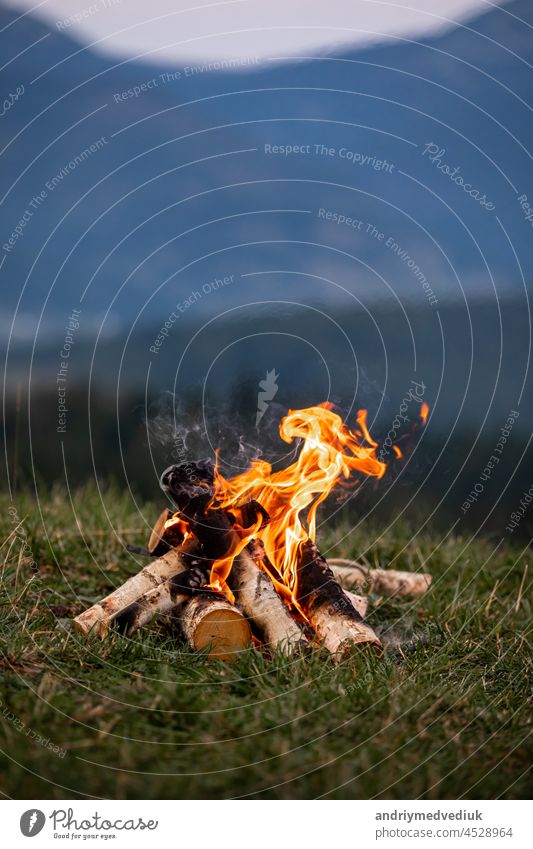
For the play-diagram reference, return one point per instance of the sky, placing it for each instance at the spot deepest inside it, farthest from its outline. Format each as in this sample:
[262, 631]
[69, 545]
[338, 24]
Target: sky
[179, 31]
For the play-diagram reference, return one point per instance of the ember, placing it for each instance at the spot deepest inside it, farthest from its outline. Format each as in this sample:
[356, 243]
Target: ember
[239, 556]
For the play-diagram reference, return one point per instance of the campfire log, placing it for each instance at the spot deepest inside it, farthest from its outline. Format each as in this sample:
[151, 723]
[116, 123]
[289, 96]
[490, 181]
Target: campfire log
[162, 538]
[210, 622]
[191, 488]
[206, 618]
[98, 618]
[386, 582]
[255, 593]
[190, 485]
[328, 607]
[253, 589]
[360, 602]
[163, 598]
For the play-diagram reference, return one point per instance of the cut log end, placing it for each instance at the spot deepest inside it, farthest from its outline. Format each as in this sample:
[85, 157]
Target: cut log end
[215, 626]
[159, 543]
[337, 632]
[224, 633]
[92, 622]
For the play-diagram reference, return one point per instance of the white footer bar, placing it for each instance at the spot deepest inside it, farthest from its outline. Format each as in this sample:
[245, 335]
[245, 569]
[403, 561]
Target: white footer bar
[266, 824]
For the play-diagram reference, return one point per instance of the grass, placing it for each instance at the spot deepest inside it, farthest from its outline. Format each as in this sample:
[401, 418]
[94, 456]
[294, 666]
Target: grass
[446, 713]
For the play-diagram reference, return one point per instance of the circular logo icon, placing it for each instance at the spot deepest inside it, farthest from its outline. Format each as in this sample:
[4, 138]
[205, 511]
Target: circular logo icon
[32, 822]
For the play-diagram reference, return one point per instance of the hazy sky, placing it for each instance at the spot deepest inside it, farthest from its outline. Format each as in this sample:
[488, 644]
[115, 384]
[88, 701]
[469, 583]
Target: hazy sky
[185, 30]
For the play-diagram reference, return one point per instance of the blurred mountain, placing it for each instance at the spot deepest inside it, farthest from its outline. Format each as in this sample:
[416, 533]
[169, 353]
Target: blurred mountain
[181, 189]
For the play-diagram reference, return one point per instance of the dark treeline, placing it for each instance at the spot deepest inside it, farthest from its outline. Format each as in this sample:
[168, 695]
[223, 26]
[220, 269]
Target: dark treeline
[130, 441]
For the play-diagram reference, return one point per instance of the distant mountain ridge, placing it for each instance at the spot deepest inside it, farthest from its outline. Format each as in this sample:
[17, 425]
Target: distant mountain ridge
[183, 190]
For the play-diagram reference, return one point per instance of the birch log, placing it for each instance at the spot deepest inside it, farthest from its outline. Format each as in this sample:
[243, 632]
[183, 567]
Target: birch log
[327, 606]
[253, 589]
[97, 619]
[163, 599]
[387, 582]
[215, 625]
[255, 594]
[360, 602]
[141, 612]
[206, 620]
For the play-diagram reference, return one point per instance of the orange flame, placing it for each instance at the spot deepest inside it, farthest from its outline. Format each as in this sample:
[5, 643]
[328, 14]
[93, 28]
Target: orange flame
[397, 451]
[178, 523]
[329, 452]
[424, 410]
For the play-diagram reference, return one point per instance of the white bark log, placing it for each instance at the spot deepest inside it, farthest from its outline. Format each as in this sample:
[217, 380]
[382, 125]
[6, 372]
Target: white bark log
[161, 599]
[258, 599]
[386, 582]
[337, 633]
[360, 602]
[328, 607]
[97, 619]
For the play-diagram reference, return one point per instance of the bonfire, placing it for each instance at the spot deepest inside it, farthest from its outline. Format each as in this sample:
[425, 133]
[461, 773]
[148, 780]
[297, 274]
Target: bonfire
[237, 563]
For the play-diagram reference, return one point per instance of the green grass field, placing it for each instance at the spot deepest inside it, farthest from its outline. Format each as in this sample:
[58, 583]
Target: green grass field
[446, 713]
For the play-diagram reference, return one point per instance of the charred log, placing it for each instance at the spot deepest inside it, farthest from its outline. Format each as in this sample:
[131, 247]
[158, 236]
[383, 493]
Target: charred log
[163, 599]
[329, 609]
[164, 537]
[190, 485]
[98, 618]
